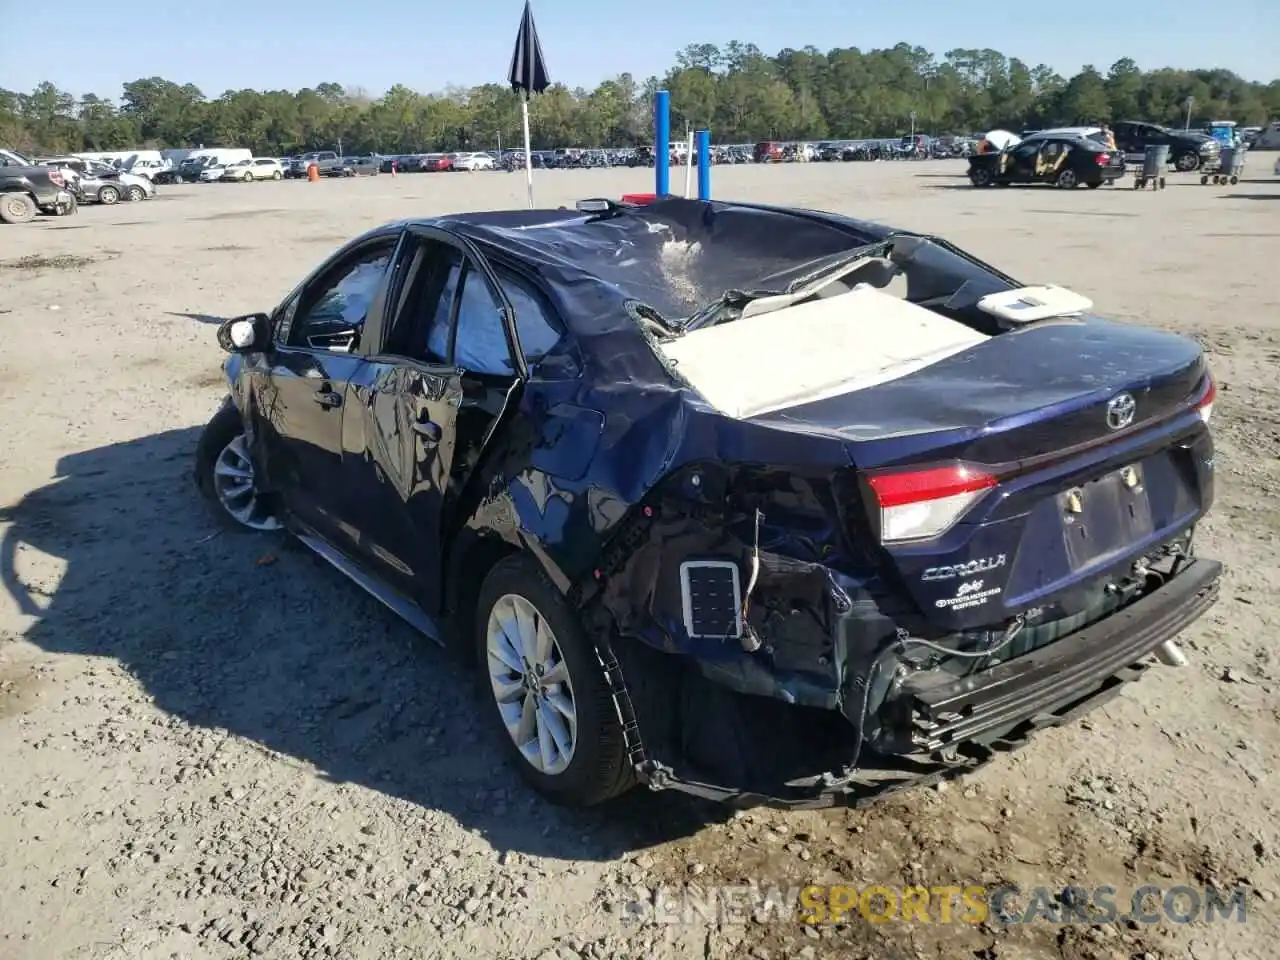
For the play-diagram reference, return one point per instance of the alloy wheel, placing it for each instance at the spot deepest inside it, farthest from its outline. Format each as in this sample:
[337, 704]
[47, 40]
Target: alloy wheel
[233, 482]
[531, 684]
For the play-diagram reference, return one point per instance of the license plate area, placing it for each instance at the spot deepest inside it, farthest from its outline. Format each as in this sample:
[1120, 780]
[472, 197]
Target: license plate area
[1105, 516]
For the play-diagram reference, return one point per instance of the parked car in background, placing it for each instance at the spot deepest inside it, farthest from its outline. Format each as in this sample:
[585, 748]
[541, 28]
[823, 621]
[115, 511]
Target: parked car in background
[28, 189]
[259, 168]
[97, 182]
[1065, 161]
[769, 151]
[212, 173]
[1268, 137]
[323, 160]
[474, 161]
[365, 165]
[189, 170]
[1188, 149]
[436, 163]
[147, 166]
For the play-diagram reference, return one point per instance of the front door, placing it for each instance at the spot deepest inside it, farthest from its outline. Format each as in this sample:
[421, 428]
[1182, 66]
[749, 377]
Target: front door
[1021, 166]
[301, 401]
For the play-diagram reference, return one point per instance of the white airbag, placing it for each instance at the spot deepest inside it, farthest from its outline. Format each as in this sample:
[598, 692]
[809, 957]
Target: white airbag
[799, 354]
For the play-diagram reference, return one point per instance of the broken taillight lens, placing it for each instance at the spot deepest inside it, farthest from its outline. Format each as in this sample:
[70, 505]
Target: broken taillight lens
[1204, 406]
[57, 179]
[1103, 159]
[918, 504]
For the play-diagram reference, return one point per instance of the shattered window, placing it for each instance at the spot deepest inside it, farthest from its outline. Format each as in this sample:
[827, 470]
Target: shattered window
[537, 333]
[343, 302]
[480, 344]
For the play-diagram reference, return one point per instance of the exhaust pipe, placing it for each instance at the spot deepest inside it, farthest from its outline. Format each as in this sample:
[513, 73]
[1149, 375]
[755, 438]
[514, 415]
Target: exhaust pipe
[1170, 654]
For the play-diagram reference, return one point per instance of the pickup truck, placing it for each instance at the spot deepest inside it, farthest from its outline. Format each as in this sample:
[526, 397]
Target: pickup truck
[325, 160]
[27, 189]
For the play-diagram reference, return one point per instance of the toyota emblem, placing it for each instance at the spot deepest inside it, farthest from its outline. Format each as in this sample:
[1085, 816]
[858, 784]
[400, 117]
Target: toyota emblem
[1120, 411]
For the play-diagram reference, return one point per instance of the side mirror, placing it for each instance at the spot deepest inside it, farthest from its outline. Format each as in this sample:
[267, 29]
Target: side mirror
[245, 334]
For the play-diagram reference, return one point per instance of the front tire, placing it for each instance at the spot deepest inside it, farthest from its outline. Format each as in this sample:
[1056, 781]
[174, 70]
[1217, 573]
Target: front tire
[544, 685]
[1066, 180]
[1186, 162]
[224, 474]
[980, 177]
[137, 193]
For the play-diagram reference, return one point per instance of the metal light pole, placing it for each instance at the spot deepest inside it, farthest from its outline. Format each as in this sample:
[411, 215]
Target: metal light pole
[1190, 103]
[913, 129]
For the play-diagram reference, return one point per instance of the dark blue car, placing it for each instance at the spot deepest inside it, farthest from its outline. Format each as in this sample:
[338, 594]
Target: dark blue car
[766, 505]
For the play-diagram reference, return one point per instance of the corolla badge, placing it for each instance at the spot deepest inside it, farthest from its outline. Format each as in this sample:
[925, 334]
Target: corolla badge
[964, 569]
[1120, 411]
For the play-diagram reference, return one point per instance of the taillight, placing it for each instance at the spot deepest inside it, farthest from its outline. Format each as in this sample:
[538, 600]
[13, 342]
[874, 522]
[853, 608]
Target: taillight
[1204, 406]
[1103, 159]
[57, 179]
[919, 504]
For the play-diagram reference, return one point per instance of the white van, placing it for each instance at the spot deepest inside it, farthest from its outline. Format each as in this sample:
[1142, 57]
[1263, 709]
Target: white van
[223, 156]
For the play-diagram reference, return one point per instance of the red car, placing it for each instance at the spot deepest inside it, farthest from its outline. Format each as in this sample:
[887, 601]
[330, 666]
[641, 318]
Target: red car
[436, 162]
[768, 151]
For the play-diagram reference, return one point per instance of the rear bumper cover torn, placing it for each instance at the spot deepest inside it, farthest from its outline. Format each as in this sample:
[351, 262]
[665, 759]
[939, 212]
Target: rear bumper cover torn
[961, 722]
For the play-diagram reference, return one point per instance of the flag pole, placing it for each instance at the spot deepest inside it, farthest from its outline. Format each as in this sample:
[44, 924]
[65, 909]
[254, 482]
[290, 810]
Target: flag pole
[528, 152]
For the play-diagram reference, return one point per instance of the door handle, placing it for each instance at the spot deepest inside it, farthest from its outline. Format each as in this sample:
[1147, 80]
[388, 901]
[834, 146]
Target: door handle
[429, 432]
[327, 398]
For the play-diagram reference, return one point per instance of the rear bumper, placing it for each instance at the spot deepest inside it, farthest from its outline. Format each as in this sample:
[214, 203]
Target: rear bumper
[1064, 673]
[960, 723]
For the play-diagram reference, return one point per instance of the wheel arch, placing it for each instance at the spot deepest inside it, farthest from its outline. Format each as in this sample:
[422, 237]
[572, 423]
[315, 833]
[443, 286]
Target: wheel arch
[467, 563]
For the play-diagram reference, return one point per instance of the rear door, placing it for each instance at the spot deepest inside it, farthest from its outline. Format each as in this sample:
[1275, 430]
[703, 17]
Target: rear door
[299, 405]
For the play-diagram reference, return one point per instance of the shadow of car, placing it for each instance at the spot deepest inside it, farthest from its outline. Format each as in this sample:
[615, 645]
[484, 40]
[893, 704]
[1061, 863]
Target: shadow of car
[272, 645]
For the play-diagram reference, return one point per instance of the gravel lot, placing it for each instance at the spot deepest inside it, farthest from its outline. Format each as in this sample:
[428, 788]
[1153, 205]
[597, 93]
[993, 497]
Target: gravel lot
[209, 750]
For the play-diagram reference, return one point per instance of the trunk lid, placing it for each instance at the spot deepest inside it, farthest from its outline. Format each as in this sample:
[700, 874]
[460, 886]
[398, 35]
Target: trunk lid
[1026, 394]
[1027, 473]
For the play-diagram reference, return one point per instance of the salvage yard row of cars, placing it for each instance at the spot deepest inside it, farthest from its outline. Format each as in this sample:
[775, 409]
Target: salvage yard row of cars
[58, 185]
[714, 522]
[1069, 157]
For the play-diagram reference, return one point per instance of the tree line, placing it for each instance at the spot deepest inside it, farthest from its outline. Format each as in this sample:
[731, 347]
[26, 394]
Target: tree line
[736, 90]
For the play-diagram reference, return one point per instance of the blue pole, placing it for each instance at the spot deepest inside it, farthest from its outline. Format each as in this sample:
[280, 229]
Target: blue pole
[662, 143]
[704, 164]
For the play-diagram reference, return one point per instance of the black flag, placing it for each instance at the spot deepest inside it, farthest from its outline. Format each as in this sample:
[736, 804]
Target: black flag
[528, 68]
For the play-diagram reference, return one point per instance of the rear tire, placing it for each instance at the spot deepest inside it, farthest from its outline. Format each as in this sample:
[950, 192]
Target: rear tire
[1066, 180]
[137, 193]
[17, 208]
[1095, 185]
[517, 603]
[277, 175]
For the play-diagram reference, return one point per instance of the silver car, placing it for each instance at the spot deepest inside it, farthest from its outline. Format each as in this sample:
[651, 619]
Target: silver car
[100, 183]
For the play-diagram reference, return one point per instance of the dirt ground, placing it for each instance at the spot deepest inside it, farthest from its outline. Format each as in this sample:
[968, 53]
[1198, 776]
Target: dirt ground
[210, 750]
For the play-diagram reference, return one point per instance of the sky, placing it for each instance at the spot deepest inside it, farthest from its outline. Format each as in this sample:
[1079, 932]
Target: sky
[425, 46]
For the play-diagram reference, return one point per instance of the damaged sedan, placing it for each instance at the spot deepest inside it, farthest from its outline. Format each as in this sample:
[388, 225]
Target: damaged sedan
[766, 505]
